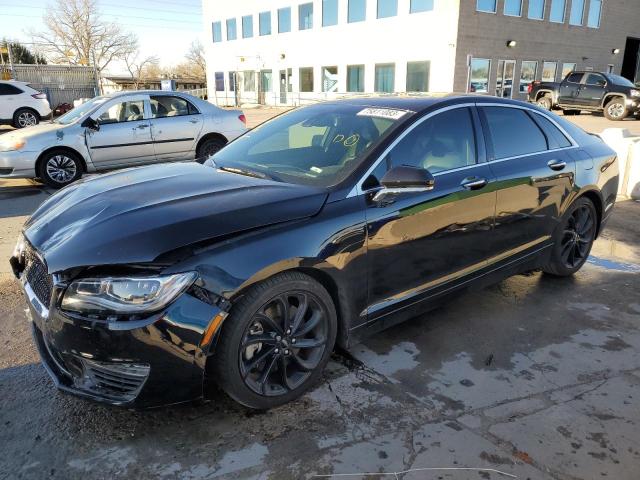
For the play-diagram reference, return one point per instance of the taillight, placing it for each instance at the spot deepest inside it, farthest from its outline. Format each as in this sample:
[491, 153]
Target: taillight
[242, 118]
[529, 88]
[40, 96]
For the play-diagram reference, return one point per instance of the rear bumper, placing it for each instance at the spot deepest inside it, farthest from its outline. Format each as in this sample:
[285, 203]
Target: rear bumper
[17, 164]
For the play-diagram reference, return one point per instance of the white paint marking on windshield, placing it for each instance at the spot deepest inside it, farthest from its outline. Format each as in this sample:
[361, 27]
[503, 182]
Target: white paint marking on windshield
[382, 113]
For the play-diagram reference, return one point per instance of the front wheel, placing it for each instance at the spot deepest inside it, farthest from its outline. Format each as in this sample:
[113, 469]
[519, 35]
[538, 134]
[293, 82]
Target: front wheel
[573, 239]
[59, 168]
[616, 109]
[276, 342]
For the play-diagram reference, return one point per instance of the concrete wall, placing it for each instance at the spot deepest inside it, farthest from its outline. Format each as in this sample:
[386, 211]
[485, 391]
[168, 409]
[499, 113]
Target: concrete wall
[627, 148]
[485, 35]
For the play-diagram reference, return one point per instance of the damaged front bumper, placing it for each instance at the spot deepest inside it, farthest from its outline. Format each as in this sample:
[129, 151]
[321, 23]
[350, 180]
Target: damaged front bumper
[148, 362]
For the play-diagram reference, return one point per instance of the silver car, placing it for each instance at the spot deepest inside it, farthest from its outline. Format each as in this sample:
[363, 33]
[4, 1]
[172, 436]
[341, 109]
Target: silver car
[123, 129]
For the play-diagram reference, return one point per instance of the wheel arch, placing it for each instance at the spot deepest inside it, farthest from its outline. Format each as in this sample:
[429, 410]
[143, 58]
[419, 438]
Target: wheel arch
[210, 136]
[612, 95]
[541, 93]
[31, 109]
[595, 198]
[83, 161]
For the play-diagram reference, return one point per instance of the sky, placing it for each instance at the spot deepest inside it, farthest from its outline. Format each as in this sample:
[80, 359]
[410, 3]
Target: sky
[164, 28]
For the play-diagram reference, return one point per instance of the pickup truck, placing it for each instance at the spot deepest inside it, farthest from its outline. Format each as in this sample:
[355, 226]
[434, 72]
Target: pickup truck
[611, 94]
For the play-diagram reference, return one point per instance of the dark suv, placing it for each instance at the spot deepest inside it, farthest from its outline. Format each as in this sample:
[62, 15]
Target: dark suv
[615, 96]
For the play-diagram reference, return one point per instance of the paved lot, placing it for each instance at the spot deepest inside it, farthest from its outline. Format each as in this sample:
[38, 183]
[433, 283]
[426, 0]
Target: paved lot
[535, 377]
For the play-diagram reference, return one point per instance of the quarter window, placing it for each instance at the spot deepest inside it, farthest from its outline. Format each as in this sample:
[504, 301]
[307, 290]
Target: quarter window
[129, 111]
[527, 75]
[216, 29]
[232, 34]
[355, 78]
[443, 142]
[163, 106]
[555, 138]
[488, 6]
[385, 77]
[513, 8]
[264, 19]
[558, 9]
[575, 78]
[549, 70]
[595, 11]
[420, 6]
[329, 12]
[387, 8]
[357, 11]
[247, 26]
[306, 79]
[513, 132]
[479, 78]
[305, 16]
[577, 12]
[417, 76]
[284, 20]
[536, 9]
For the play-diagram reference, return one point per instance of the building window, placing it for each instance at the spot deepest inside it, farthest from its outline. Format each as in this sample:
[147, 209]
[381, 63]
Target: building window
[595, 11]
[420, 6]
[329, 79]
[247, 26]
[264, 20]
[558, 9]
[329, 12]
[249, 81]
[265, 80]
[232, 81]
[232, 34]
[357, 11]
[387, 8]
[577, 12]
[305, 16]
[355, 78]
[306, 79]
[567, 68]
[216, 28]
[219, 76]
[549, 70]
[513, 8]
[385, 77]
[284, 20]
[528, 74]
[536, 9]
[479, 78]
[488, 6]
[417, 76]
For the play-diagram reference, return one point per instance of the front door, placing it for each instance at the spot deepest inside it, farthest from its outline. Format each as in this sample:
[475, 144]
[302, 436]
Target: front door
[529, 156]
[504, 81]
[421, 242]
[593, 90]
[570, 88]
[124, 137]
[264, 87]
[283, 87]
[175, 127]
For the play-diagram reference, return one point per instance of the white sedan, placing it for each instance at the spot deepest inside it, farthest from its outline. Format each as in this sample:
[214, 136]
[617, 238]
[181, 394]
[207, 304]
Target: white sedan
[123, 129]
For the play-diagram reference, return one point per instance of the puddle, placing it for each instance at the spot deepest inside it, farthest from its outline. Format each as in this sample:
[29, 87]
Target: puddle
[613, 265]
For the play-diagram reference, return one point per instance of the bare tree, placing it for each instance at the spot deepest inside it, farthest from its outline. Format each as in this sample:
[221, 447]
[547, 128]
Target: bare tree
[196, 57]
[76, 34]
[140, 68]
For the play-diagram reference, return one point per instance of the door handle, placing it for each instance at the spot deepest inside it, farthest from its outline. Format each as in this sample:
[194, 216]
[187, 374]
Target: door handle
[143, 126]
[556, 165]
[473, 183]
[193, 121]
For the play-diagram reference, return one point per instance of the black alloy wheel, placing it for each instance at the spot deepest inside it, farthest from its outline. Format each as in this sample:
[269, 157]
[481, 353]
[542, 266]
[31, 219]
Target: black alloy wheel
[276, 341]
[574, 239]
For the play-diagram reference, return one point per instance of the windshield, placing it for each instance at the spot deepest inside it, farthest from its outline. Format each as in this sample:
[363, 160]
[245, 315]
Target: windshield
[317, 145]
[618, 80]
[80, 111]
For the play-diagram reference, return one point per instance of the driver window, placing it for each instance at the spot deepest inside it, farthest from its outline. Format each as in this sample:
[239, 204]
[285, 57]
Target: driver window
[443, 142]
[129, 111]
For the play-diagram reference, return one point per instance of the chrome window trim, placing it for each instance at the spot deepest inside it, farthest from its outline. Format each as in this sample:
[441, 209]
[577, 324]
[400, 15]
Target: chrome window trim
[357, 189]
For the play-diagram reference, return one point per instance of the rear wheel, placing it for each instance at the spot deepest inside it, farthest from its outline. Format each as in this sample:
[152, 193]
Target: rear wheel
[545, 102]
[25, 117]
[573, 239]
[276, 341]
[208, 147]
[616, 109]
[59, 168]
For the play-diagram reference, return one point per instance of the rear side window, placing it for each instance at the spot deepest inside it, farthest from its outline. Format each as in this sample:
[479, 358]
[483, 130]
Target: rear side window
[513, 132]
[554, 135]
[574, 78]
[166, 106]
[6, 89]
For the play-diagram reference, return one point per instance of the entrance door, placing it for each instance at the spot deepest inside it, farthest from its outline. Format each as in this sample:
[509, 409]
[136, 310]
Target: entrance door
[504, 82]
[265, 86]
[283, 87]
[631, 61]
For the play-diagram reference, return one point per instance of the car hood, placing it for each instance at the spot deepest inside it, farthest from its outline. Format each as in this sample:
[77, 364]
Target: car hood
[135, 215]
[35, 130]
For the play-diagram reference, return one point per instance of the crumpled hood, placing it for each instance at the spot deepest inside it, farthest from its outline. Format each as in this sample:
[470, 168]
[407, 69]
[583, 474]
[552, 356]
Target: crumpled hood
[133, 216]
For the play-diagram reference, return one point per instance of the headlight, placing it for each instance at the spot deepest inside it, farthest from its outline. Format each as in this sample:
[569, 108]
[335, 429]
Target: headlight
[9, 144]
[125, 295]
[18, 250]
[635, 93]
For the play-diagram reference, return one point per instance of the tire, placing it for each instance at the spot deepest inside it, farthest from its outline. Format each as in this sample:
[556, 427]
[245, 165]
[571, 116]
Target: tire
[573, 239]
[25, 117]
[545, 102]
[59, 168]
[258, 315]
[208, 147]
[616, 109]
[568, 113]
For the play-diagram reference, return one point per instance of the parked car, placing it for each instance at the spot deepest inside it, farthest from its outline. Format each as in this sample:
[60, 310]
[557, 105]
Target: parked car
[611, 94]
[21, 105]
[317, 228]
[119, 130]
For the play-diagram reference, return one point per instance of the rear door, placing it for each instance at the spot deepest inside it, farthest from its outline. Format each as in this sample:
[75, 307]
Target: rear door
[529, 155]
[570, 88]
[175, 127]
[592, 91]
[124, 137]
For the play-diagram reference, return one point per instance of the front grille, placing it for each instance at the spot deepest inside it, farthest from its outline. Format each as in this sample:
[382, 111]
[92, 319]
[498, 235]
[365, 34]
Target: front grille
[37, 276]
[115, 381]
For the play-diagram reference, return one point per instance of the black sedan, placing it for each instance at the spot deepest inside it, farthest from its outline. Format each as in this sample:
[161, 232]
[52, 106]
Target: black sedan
[320, 226]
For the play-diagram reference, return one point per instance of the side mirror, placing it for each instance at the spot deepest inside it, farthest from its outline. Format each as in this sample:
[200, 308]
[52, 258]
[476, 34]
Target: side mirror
[601, 83]
[405, 179]
[91, 124]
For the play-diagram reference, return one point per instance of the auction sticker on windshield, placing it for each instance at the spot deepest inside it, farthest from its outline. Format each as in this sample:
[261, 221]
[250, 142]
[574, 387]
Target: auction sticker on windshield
[382, 113]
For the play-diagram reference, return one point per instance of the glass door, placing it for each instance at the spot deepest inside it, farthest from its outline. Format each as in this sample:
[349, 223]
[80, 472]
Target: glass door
[504, 81]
